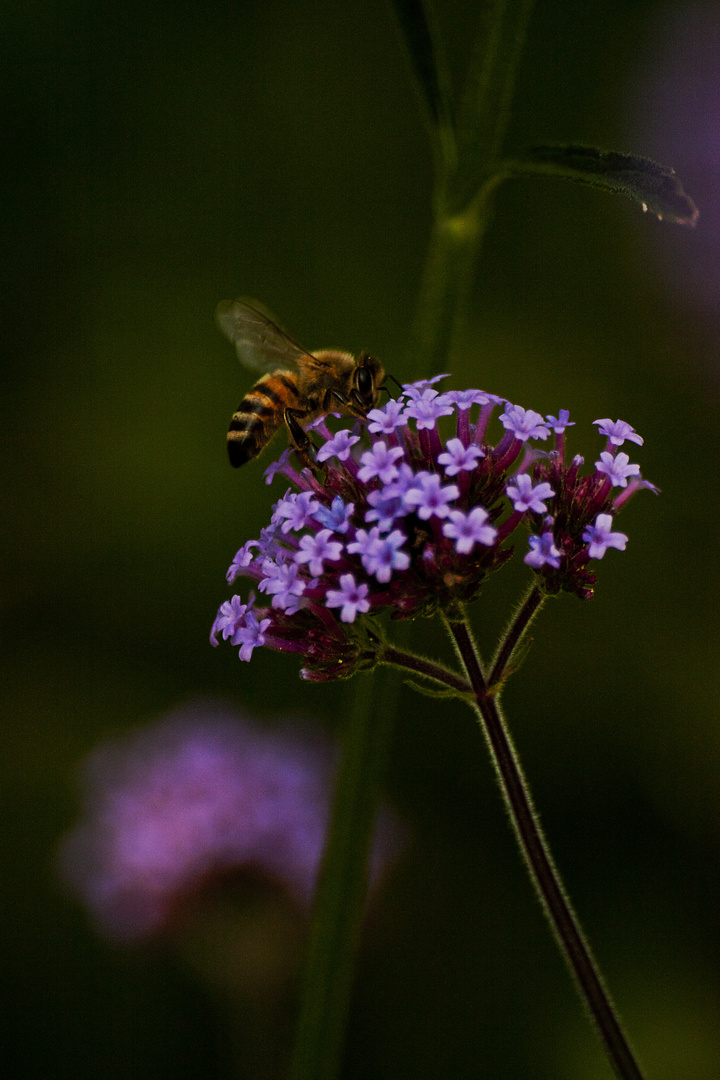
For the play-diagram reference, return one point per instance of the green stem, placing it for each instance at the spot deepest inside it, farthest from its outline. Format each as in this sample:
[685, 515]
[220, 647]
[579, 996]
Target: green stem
[541, 867]
[465, 183]
[447, 281]
[490, 87]
[340, 899]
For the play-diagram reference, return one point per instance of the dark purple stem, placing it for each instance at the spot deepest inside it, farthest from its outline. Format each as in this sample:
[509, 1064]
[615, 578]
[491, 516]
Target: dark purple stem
[515, 633]
[424, 667]
[539, 861]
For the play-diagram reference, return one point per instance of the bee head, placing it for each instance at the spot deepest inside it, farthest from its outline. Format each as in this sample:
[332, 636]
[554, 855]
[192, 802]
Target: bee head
[367, 379]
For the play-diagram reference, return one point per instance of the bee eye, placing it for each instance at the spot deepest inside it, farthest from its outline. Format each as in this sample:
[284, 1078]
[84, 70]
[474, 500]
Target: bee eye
[363, 380]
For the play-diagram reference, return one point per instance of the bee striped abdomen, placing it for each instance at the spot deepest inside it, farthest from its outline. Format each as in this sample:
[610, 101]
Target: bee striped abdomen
[259, 415]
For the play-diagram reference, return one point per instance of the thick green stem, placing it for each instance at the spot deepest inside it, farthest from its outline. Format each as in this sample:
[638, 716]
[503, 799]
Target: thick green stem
[543, 872]
[341, 892]
[465, 183]
[489, 89]
[447, 283]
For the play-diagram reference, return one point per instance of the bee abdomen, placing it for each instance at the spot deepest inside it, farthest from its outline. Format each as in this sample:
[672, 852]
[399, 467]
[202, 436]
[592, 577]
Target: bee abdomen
[255, 421]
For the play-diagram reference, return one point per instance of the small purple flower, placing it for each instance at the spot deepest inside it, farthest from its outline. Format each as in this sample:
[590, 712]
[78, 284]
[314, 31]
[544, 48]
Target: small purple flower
[385, 508]
[459, 457]
[465, 399]
[339, 446]
[467, 530]
[543, 552]
[282, 465]
[617, 431]
[295, 510]
[422, 386]
[599, 537]
[617, 468]
[363, 541]
[636, 484]
[283, 584]
[250, 634]
[320, 424]
[267, 544]
[243, 558]
[337, 516]
[524, 423]
[428, 408]
[380, 462]
[227, 619]
[384, 421]
[404, 481]
[429, 498]
[352, 598]
[526, 496]
[559, 423]
[316, 548]
[381, 555]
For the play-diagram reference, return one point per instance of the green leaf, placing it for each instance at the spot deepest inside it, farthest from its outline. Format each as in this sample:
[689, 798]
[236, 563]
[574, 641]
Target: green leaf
[656, 187]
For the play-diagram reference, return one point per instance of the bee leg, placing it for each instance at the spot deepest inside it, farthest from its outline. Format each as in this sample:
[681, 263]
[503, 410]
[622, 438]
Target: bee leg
[300, 439]
[349, 404]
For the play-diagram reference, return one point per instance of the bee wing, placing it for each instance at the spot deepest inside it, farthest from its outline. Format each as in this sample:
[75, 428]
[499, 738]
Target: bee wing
[259, 342]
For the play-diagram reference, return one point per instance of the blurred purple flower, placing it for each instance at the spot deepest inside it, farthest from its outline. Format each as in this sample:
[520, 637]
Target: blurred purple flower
[177, 806]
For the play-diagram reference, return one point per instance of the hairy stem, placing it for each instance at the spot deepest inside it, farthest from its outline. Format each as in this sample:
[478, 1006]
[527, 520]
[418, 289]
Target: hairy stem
[543, 872]
[421, 666]
[515, 633]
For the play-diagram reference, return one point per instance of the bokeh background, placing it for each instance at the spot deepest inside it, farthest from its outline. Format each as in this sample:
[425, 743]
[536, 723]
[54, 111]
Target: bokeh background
[159, 158]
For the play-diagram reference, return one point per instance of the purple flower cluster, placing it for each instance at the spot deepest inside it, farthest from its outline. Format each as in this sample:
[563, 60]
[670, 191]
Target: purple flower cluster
[400, 520]
[175, 807]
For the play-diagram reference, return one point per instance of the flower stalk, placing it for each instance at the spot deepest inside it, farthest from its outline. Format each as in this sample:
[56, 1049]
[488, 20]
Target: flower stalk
[514, 635]
[541, 867]
[420, 665]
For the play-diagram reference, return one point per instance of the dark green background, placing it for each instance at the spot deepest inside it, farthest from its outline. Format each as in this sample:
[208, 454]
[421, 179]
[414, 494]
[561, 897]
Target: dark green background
[159, 158]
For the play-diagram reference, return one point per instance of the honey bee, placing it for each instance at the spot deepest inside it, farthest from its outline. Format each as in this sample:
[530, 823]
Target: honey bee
[298, 385]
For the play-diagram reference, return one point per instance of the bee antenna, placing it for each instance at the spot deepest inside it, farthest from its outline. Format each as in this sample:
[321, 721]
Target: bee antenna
[384, 387]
